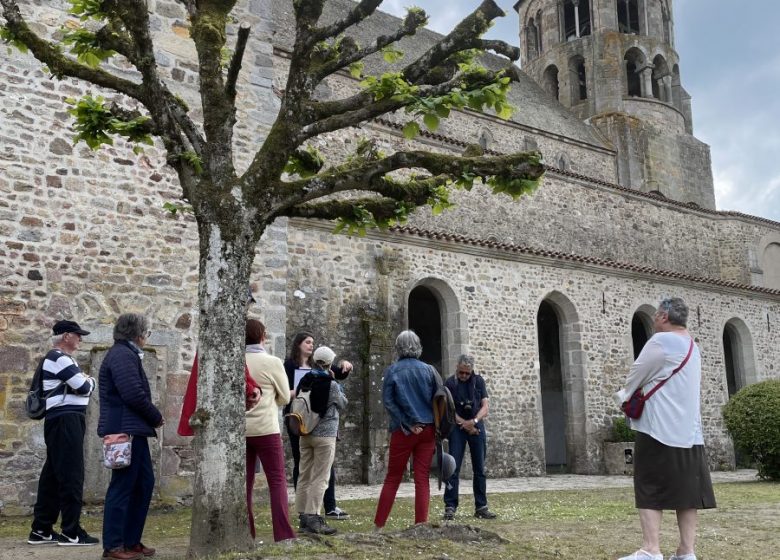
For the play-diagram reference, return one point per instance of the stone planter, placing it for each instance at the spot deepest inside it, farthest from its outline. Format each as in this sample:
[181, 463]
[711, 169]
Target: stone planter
[619, 457]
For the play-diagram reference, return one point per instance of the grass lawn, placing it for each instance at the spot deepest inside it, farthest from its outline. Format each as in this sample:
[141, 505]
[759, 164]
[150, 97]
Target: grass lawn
[592, 524]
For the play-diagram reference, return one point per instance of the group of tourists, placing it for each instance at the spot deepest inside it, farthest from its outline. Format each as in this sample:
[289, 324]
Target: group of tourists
[670, 462]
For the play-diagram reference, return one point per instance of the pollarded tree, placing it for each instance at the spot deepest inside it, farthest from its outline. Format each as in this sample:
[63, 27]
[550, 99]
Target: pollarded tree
[285, 177]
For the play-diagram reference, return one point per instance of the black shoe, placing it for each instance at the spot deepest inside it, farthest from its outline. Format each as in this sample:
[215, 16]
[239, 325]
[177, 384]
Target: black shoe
[337, 514]
[82, 539]
[316, 524]
[449, 513]
[484, 513]
[39, 537]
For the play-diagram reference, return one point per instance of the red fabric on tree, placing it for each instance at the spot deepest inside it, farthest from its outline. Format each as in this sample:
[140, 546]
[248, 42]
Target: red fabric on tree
[191, 397]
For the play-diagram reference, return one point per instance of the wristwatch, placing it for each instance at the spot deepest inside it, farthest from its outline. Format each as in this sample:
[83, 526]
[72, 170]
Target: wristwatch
[476, 421]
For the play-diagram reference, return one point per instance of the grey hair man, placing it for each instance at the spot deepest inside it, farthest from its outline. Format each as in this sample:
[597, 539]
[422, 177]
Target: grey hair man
[61, 484]
[471, 408]
[670, 463]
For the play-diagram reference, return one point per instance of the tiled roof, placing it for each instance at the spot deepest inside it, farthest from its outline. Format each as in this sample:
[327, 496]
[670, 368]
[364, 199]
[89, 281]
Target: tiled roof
[525, 250]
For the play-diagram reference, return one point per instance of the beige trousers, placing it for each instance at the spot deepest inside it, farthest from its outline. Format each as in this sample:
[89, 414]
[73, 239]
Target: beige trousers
[317, 455]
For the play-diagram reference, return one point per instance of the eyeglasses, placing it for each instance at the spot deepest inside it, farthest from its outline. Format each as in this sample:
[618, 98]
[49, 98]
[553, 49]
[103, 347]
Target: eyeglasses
[147, 334]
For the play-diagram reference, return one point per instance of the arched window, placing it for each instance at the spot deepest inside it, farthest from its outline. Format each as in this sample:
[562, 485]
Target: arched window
[667, 24]
[662, 79]
[739, 363]
[563, 162]
[575, 19]
[578, 79]
[635, 63]
[485, 138]
[770, 263]
[550, 80]
[539, 32]
[677, 93]
[628, 16]
[531, 39]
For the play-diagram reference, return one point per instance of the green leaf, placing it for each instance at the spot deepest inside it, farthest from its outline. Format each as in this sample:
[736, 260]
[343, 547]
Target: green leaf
[392, 55]
[504, 111]
[356, 69]
[431, 121]
[411, 129]
[443, 111]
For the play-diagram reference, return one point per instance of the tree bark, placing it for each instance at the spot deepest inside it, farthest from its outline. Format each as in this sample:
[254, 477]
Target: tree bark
[219, 515]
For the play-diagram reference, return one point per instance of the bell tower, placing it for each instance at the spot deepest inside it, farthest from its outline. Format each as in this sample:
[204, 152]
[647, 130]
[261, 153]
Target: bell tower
[614, 65]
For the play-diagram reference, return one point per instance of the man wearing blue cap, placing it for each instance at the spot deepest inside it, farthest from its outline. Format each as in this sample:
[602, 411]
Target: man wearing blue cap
[61, 484]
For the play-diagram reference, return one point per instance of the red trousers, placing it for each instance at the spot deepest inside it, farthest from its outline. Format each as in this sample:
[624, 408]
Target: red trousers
[420, 447]
[269, 450]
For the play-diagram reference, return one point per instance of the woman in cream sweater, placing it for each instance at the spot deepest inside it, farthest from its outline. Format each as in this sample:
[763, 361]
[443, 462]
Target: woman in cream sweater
[263, 437]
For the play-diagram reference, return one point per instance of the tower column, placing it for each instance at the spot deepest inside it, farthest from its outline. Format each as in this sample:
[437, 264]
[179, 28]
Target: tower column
[667, 82]
[577, 16]
[647, 80]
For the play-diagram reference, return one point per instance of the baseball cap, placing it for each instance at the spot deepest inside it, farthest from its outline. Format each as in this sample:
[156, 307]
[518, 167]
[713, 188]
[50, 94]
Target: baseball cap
[64, 326]
[324, 355]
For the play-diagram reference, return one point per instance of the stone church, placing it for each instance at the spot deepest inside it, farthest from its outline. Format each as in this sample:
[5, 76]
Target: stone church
[553, 294]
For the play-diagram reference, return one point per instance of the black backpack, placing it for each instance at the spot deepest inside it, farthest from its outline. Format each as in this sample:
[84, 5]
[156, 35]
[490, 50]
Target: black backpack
[35, 406]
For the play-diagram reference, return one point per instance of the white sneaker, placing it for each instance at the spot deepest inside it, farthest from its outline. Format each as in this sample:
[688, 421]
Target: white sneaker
[642, 555]
[690, 556]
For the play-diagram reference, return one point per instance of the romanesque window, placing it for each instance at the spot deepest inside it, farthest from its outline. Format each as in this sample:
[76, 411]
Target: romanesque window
[667, 23]
[575, 19]
[578, 79]
[676, 88]
[531, 39]
[539, 32]
[628, 16]
[485, 138]
[770, 263]
[662, 79]
[562, 161]
[550, 80]
[635, 63]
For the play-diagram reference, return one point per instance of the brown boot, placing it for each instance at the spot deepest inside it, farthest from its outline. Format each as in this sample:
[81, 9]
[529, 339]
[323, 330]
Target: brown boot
[145, 550]
[122, 554]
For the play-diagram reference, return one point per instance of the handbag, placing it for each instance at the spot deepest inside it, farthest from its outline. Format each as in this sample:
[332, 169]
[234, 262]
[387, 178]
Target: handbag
[635, 404]
[117, 451]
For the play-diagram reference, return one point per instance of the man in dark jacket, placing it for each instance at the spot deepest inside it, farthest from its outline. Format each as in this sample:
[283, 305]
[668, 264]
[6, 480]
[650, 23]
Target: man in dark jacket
[61, 485]
[126, 408]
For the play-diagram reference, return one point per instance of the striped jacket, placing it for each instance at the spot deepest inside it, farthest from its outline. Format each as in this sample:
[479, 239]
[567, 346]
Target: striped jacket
[70, 388]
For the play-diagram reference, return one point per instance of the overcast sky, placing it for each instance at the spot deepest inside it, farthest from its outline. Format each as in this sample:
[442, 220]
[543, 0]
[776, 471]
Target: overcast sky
[729, 64]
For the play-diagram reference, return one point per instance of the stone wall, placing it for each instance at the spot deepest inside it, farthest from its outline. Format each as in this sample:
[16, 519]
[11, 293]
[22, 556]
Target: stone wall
[497, 296]
[83, 235]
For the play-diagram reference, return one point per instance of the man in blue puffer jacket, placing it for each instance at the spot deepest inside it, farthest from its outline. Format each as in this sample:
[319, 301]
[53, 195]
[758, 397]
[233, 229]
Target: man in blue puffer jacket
[126, 408]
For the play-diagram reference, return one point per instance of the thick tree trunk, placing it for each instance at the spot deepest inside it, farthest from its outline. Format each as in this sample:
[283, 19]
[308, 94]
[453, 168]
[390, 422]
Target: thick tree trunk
[219, 516]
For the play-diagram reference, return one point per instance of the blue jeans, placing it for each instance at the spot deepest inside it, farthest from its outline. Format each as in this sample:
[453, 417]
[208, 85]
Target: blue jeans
[127, 499]
[477, 448]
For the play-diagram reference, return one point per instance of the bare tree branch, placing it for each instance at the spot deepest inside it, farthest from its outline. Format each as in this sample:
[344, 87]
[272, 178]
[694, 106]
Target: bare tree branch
[360, 12]
[59, 64]
[235, 62]
[500, 47]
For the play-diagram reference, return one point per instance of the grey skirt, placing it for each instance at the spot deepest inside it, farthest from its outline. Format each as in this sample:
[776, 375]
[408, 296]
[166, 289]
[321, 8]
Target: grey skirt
[671, 477]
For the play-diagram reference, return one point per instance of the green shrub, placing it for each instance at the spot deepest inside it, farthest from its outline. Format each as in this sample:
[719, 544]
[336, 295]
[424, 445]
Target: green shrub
[621, 431]
[753, 419]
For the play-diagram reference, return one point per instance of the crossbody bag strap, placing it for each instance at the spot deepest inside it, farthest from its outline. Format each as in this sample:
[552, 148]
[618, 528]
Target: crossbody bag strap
[678, 368]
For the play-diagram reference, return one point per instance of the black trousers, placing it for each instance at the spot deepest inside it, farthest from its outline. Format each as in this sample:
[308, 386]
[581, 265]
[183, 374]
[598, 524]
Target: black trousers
[329, 499]
[61, 484]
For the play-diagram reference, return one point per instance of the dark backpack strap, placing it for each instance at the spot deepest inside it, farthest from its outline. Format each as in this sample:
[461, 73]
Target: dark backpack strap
[678, 368]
